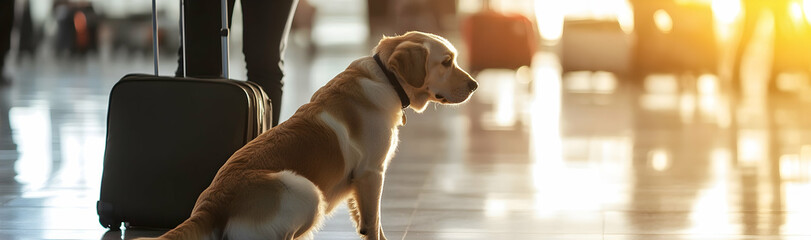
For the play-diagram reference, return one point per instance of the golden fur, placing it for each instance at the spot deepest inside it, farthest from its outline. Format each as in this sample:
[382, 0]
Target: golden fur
[334, 148]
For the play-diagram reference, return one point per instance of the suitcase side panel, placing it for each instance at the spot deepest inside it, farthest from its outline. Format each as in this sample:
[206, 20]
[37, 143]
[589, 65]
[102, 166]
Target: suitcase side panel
[265, 111]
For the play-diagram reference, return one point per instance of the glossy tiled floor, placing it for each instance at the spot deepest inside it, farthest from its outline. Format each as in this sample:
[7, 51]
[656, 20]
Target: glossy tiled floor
[536, 154]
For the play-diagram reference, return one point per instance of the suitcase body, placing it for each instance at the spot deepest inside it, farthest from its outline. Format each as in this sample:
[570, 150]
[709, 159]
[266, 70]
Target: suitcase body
[166, 139]
[497, 40]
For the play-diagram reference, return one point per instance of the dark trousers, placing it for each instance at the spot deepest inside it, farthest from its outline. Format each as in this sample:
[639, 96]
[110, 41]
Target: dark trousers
[6, 22]
[266, 24]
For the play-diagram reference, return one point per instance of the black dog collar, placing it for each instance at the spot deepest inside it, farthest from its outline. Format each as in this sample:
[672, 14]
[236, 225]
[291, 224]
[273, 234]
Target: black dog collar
[393, 80]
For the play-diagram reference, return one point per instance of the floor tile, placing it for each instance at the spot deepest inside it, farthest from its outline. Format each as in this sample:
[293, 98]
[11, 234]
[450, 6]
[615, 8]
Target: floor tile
[499, 221]
[706, 223]
[700, 237]
[42, 218]
[482, 236]
[54, 234]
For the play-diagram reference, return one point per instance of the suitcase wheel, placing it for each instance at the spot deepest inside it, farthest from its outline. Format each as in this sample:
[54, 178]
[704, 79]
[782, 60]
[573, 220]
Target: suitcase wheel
[106, 217]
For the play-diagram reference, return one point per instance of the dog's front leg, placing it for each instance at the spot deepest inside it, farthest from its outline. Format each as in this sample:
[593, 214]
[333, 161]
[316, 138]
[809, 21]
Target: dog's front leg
[368, 189]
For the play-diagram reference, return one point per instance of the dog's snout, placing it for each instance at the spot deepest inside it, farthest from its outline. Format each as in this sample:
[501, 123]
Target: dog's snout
[473, 85]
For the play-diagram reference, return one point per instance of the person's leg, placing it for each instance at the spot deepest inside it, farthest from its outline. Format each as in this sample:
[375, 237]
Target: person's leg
[266, 25]
[203, 51]
[6, 22]
[752, 13]
[782, 33]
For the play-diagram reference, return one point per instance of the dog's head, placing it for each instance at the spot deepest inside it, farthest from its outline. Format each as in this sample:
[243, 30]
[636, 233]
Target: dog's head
[425, 64]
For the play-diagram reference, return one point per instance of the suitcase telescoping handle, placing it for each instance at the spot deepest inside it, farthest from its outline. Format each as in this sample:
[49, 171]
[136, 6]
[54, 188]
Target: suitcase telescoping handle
[223, 34]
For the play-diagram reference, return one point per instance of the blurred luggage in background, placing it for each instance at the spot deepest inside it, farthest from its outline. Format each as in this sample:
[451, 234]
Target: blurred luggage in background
[421, 15]
[498, 40]
[133, 34]
[674, 36]
[642, 37]
[394, 17]
[77, 27]
[412, 15]
[595, 45]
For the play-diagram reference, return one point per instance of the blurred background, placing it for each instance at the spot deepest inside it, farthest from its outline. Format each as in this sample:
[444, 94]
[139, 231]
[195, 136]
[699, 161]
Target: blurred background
[594, 119]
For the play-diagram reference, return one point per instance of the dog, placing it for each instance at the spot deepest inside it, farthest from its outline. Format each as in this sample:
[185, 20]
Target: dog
[334, 149]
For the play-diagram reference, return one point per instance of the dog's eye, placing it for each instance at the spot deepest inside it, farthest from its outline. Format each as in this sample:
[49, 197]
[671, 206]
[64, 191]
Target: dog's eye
[447, 62]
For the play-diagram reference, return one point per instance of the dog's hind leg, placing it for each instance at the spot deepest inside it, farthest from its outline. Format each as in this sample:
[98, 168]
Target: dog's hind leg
[278, 205]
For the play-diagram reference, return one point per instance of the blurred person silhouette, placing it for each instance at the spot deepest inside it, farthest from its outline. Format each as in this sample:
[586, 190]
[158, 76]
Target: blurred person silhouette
[28, 33]
[6, 22]
[753, 12]
[266, 24]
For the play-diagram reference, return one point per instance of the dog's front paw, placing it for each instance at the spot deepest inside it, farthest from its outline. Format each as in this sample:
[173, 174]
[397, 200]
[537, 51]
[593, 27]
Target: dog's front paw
[365, 235]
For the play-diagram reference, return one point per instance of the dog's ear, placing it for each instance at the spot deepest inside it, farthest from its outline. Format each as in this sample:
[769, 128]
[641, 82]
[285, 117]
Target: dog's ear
[408, 61]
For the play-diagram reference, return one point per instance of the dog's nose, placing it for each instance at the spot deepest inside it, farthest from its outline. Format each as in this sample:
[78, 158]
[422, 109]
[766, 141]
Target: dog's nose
[472, 85]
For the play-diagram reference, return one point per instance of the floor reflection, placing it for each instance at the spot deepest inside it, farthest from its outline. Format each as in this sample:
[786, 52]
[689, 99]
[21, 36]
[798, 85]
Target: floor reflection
[665, 154]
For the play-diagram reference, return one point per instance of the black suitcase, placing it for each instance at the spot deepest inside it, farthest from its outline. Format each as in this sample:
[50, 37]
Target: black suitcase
[166, 139]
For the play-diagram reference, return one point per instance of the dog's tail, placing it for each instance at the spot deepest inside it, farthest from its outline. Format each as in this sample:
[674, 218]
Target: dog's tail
[199, 226]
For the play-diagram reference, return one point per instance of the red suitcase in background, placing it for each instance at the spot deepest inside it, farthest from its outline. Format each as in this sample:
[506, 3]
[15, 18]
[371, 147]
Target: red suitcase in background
[496, 40]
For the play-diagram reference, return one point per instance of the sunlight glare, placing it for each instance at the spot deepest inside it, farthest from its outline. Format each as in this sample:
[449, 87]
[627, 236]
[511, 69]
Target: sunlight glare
[505, 112]
[31, 127]
[795, 11]
[708, 104]
[659, 160]
[625, 17]
[707, 84]
[796, 195]
[663, 21]
[545, 109]
[720, 158]
[805, 159]
[790, 166]
[807, 10]
[687, 107]
[751, 147]
[504, 90]
[712, 202]
[726, 11]
[708, 213]
[604, 82]
[550, 16]
[494, 207]
[661, 84]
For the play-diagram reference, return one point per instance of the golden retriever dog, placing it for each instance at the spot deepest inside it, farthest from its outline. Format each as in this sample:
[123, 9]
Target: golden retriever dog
[334, 149]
